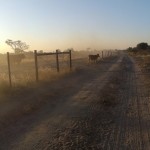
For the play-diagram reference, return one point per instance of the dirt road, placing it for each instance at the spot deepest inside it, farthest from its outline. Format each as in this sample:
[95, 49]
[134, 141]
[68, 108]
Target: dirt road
[81, 119]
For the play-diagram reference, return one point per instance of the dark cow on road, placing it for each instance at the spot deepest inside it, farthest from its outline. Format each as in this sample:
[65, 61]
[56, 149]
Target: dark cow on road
[16, 58]
[93, 58]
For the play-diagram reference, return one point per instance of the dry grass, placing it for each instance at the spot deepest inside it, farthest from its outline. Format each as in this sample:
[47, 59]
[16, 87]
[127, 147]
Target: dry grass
[24, 73]
[143, 61]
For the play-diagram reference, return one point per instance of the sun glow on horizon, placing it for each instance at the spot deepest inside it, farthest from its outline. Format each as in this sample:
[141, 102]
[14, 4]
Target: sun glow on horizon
[50, 25]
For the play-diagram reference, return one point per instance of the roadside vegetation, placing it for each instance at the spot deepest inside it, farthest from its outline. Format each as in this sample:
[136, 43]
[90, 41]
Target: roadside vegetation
[141, 54]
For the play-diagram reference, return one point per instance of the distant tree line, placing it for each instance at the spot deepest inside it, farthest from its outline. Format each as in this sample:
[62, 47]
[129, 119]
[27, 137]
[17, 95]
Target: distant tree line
[140, 48]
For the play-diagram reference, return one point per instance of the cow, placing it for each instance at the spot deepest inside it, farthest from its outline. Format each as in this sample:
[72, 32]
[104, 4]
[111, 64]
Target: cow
[93, 58]
[16, 58]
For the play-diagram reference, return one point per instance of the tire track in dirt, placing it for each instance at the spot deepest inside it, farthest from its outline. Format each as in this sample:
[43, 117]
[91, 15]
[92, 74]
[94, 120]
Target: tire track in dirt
[118, 132]
[134, 125]
[129, 136]
[143, 109]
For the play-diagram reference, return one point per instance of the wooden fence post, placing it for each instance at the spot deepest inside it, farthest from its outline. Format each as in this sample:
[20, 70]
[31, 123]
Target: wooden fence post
[70, 59]
[102, 55]
[57, 61]
[36, 66]
[9, 70]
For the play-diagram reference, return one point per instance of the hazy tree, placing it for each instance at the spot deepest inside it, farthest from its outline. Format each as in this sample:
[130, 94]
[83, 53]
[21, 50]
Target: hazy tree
[142, 46]
[17, 46]
[134, 50]
[58, 50]
[40, 51]
[88, 49]
[69, 49]
[129, 49]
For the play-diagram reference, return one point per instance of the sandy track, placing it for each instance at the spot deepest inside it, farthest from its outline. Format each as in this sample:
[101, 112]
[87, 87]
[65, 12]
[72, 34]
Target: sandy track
[132, 126]
[80, 121]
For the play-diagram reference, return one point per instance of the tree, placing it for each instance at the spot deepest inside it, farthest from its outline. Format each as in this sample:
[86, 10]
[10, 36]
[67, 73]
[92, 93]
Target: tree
[70, 49]
[88, 49]
[58, 50]
[142, 46]
[17, 46]
[129, 49]
[40, 51]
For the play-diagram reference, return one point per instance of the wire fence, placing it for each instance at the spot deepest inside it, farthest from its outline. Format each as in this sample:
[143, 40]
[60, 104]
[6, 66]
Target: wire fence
[34, 66]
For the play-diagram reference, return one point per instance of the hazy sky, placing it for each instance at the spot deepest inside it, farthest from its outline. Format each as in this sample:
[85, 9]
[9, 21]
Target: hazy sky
[79, 24]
